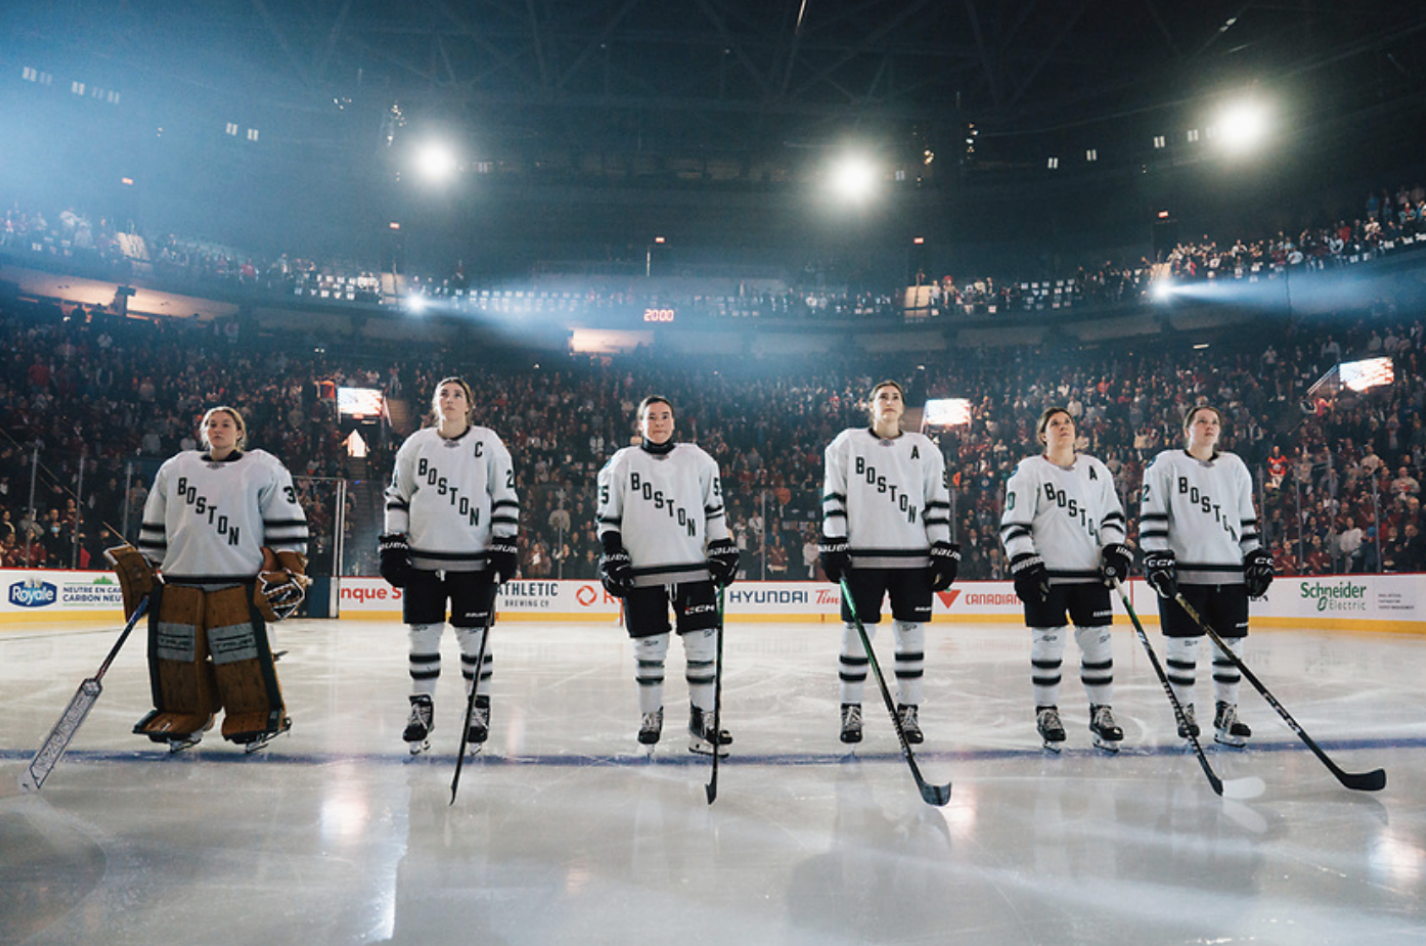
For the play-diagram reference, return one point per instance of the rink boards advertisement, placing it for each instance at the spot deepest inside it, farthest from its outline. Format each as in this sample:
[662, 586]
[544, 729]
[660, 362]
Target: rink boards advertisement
[1367, 602]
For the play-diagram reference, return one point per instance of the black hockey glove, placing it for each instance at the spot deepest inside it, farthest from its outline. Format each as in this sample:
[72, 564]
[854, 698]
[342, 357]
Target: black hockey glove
[1032, 578]
[945, 562]
[395, 559]
[836, 557]
[1257, 572]
[723, 561]
[616, 570]
[1115, 561]
[1160, 573]
[503, 558]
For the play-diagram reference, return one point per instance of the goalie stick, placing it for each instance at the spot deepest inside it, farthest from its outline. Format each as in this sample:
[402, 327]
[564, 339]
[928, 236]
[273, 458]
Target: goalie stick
[470, 699]
[711, 789]
[1373, 781]
[1233, 788]
[937, 795]
[34, 775]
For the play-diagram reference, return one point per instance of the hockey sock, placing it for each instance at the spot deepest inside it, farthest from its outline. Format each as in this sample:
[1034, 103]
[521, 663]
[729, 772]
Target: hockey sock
[1182, 660]
[910, 660]
[699, 649]
[470, 638]
[649, 654]
[1047, 649]
[854, 662]
[425, 657]
[1225, 675]
[1096, 663]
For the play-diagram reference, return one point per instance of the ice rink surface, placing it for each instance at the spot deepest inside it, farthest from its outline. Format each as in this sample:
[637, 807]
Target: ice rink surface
[563, 833]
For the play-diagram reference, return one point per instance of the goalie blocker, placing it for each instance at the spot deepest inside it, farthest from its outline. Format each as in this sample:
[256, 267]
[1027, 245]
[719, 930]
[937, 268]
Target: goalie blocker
[209, 650]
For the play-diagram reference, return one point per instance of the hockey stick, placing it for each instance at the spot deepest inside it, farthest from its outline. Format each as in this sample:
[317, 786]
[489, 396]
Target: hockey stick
[470, 699]
[711, 789]
[34, 775]
[937, 795]
[1233, 788]
[1373, 781]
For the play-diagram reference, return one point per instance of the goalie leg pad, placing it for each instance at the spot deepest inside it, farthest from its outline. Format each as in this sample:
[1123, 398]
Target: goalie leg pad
[242, 662]
[181, 678]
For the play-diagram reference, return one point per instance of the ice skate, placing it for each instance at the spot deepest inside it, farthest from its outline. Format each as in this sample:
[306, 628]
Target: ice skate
[261, 740]
[479, 729]
[1107, 734]
[701, 736]
[910, 725]
[1047, 722]
[1228, 729]
[183, 743]
[420, 724]
[1189, 726]
[851, 723]
[651, 728]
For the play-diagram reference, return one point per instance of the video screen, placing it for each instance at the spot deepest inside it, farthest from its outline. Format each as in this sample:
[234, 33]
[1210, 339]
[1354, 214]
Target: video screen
[946, 412]
[1367, 373]
[359, 403]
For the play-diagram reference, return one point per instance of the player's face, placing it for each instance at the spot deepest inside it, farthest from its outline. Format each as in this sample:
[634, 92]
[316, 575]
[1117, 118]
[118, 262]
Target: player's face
[1204, 429]
[452, 402]
[1059, 431]
[222, 432]
[657, 423]
[887, 406]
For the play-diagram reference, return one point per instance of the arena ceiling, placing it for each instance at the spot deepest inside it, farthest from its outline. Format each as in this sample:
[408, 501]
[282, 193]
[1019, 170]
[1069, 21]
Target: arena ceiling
[743, 87]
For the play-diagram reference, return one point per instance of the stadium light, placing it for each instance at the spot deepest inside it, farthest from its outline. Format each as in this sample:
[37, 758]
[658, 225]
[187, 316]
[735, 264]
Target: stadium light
[1242, 126]
[435, 161]
[854, 177]
[1161, 290]
[416, 303]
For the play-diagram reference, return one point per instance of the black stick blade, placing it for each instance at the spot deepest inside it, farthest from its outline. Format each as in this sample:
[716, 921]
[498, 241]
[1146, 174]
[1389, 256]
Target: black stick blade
[1373, 781]
[938, 795]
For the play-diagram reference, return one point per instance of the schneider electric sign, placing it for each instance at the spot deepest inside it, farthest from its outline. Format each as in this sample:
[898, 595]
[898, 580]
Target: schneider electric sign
[1335, 596]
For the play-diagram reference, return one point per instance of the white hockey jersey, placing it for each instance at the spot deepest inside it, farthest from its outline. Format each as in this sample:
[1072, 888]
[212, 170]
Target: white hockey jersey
[1063, 514]
[1202, 512]
[888, 498]
[206, 521]
[666, 508]
[450, 497]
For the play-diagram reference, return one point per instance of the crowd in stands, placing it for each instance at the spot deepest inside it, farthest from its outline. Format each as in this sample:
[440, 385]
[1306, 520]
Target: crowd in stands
[90, 404]
[1390, 220]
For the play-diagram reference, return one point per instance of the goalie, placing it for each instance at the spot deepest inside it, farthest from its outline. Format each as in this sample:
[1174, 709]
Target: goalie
[225, 528]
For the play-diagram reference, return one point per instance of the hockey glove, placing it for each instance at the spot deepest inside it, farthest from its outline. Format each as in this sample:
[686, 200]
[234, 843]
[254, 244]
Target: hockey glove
[836, 557]
[503, 558]
[945, 562]
[1160, 573]
[136, 576]
[1257, 572]
[723, 561]
[395, 559]
[616, 571]
[281, 586]
[1115, 561]
[1032, 578]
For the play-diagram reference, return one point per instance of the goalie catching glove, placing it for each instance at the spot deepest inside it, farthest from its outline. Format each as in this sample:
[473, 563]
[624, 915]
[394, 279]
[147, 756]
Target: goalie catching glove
[136, 576]
[722, 561]
[281, 585]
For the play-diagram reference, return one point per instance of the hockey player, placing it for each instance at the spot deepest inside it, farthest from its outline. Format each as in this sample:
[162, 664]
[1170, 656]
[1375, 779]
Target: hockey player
[1200, 539]
[452, 515]
[665, 538]
[225, 528]
[1063, 532]
[886, 529]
